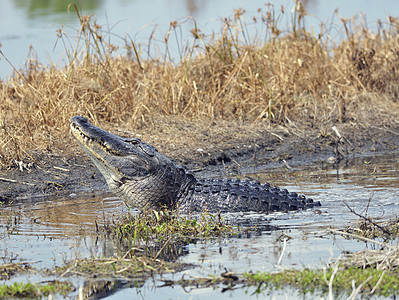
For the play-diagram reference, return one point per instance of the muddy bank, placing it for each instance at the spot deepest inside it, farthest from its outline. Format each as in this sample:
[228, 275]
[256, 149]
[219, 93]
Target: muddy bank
[217, 150]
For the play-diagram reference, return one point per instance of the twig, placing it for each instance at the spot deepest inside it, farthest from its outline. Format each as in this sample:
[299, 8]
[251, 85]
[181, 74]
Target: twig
[282, 252]
[14, 181]
[62, 169]
[23, 78]
[384, 129]
[368, 203]
[127, 252]
[122, 270]
[358, 237]
[65, 273]
[164, 245]
[367, 218]
[341, 139]
[330, 282]
[356, 291]
[286, 164]
[335, 129]
[277, 136]
[378, 283]
[20, 263]
[389, 258]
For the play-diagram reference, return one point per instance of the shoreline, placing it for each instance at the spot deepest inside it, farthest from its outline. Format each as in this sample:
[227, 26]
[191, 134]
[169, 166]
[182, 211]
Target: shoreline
[72, 172]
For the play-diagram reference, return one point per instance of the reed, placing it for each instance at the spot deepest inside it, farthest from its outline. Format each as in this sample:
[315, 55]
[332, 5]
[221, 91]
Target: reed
[277, 74]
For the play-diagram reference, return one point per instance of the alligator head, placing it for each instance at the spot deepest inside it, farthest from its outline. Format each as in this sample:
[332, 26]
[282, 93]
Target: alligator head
[133, 170]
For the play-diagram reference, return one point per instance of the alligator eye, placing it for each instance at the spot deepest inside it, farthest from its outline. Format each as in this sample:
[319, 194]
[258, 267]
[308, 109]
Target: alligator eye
[134, 142]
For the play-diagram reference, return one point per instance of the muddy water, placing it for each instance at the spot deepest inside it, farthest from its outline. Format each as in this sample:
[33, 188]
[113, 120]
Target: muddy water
[49, 232]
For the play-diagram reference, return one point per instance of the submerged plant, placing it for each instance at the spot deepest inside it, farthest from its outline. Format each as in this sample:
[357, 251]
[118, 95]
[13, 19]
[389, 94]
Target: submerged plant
[165, 223]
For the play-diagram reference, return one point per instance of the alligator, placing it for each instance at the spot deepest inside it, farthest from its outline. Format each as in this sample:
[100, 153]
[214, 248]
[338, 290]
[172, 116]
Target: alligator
[147, 180]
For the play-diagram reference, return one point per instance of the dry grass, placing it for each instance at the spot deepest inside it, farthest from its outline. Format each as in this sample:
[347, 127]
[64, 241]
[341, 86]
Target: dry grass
[231, 76]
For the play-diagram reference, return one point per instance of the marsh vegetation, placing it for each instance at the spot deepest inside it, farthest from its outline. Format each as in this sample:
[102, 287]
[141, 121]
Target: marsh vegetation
[294, 75]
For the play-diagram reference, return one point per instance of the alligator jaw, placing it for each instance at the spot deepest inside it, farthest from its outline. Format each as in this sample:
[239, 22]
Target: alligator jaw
[93, 140]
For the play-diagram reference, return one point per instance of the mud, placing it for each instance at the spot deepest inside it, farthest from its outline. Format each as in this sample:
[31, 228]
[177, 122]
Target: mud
[217, 150]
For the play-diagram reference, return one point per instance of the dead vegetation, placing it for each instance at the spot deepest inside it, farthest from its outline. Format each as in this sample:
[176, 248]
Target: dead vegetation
[282, 74]
[10, 269]
[382, 233]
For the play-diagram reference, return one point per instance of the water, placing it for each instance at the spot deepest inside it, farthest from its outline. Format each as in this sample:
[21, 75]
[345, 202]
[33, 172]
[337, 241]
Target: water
[25, 23]
[51, 232]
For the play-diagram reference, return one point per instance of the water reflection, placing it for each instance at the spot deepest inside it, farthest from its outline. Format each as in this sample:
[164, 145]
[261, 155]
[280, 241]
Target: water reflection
[194, 7]
[39, 8]
[69, 216]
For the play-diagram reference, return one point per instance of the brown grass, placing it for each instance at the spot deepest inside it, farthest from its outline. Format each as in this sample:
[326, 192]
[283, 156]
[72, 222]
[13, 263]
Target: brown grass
[283, 74]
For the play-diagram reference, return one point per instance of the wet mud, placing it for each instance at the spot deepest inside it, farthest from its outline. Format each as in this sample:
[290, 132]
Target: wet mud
[69, 172]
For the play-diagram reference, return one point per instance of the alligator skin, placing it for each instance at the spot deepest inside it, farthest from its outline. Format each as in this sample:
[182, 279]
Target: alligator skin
[146, 179]
[235, 195]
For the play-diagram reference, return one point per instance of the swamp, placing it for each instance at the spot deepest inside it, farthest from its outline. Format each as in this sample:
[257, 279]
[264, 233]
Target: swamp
[284, 104]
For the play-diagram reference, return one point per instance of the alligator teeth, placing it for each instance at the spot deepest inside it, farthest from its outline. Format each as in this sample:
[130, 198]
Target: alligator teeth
[87, 139]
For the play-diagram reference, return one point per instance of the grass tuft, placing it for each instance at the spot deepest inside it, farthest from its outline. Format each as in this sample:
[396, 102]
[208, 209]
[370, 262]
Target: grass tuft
[164, 224]
[29, 290]
[369, 281]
